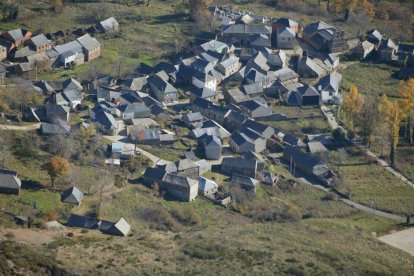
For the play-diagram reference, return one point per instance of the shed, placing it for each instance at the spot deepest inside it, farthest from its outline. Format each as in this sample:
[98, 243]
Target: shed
[72, 195]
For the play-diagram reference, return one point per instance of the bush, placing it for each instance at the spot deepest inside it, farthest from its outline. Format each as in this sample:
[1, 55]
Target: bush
[158, 218]
[206, 250]
[329, 196]
[285, 212]
[186, 216]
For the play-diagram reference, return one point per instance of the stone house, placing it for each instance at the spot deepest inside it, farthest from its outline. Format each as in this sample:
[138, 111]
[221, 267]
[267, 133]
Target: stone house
[328, 88]
[17, 36]
[39, 43]
[245, 182]
[162, 90]
[237, 165]
[9, 182]
[229, 66]
[286, 38]
[91, 47]
[108, 25]
[212, 147]
[247, 140]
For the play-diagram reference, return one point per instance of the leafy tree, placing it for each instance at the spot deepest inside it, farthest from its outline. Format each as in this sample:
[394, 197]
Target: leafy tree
[58, 5]
[394, 115]
[407, 93]
[56, 167]
[351, 106]
[11, 11]
[87, 132]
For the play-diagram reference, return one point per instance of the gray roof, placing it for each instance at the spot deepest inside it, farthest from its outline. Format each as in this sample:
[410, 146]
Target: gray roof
[82, 222]
[179, 180]
[247, 29]
[88, 42]
[154, 173]
[17, 33]
[9, 179]
[239, 162]
[245, 180]
[106, 119]
[316, 146]
[72, 195]
[184, 164]
[109, 24]
[285, 22]
[317, 26]
[286, 32]
[120, 227]
[58, 127]
[72, 46]
[72, 95]
[308, 90]
[205, 184]
[204, 92]
[330, 82]
[252, 89]
[192, 117]
[52, 109]
[39, 40]
[24, 52]
[161, 85]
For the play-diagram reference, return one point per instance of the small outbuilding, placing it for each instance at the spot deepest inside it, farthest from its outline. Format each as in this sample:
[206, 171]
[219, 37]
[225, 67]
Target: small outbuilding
[72, 195]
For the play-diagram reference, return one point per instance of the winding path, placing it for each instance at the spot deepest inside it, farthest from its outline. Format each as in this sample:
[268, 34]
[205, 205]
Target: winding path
[23, 128]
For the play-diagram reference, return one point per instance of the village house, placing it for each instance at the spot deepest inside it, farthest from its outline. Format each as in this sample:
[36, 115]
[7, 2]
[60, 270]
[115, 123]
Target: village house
[238, 33]
[308, 68]
[17, 36]
[91, 47]
[374, 37]
[277, 59]
[134, 110]
[286, 76]
[212, 147]
[234, 95]
[304, 95]
[182, 188]
[268, 178]
[328, 88]
[162, 90]
[106, 123]
[255, 109]
[245, 182]
[229, 66]
[193, 120]
[247, 140]
[9, 182]
[363, 50]
[70, 53]
[72, 195]
[262, 129]
[187, 168]
[55, 112]
[204, 93]
[206, 187]
[282, 22]
[108, 25]
[286, 38]
[237, 165]
[39, 43]
[55, 128]
[119, 228]
[259, 41]
[324, 38]
[8, 45]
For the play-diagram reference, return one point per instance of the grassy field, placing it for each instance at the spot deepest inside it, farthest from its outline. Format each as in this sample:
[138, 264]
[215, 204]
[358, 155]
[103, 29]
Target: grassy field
[135, 42]
[372, 79]
[165, 153]
[210, 237]
[370, 184]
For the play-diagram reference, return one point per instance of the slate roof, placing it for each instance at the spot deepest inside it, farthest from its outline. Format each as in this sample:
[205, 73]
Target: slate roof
[247, 29]
[139, 109]
[121, 228]
[39, 40]
[82, 222]
[154, 173]
[109, 24]
[9, 179]
[306, 160]
[72, 195]
[316, 146]
[229, 62]
[17, 33]
[239, 162]
[330, 82]
[214, 45]
[185, 164]
[180, 180]
[254, 88]
[205, 184]
[285, 22]
[286, 32]
[193, 117]
[161, 85]
[256, 126]
[245, 181]
[212, 140]
[71, 47]
[58, 127]
[106, 120]
[308, 91]
[252, 105]
[310, 63]
[316, 26]
[55, 109]
[204, 92]
[88, 42]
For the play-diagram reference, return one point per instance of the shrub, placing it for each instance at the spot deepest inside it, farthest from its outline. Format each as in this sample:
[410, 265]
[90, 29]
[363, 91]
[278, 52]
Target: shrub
[186, 216]
[338, 134]
[329, 196]
[206, 250]
[158, 218]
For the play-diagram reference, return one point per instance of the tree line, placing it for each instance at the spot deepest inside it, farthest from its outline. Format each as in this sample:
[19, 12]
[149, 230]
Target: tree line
[380, 116]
